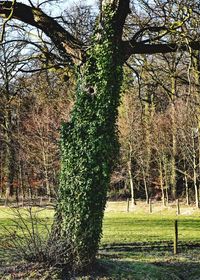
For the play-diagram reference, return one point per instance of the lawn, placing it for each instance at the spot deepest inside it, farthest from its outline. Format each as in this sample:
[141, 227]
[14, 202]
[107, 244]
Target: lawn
[139, 225]
[135, 244]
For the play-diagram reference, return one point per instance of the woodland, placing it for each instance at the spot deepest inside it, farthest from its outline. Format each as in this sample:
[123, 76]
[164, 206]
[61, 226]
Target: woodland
[98, 102]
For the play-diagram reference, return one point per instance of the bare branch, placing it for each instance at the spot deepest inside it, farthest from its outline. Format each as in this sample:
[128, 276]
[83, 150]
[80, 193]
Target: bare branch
[7, 18]
[63, 40]
[141, 48]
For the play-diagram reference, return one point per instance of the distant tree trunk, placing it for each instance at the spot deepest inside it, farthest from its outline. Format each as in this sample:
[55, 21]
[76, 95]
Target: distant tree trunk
[148, 114]
[131, 183]
[21, 183]
[162, 183]
[10, 159]
[146, 157]
[196, 190]
[186, 184]
[145, 187]
[1, 178]
[45, 152]
[195, 166]
[166, 180]
[174, 148]
[46, 173]
[196, 138]
[186, 190]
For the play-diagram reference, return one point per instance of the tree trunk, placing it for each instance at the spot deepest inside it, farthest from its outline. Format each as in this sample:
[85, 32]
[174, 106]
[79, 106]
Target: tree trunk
[89, 146]
[195, 182]
[166, 180]
[131, 183]
[9, 157]
[162, 183]
[186, 185]
[196, 190]
[1, 179]
[147, 119]
[174, 148]
[186, 190]
[196, 143]
[146, 188]
[46, 173]
[21, 183]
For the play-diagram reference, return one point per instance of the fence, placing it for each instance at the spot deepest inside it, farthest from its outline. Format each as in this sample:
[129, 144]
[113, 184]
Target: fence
[146, 227]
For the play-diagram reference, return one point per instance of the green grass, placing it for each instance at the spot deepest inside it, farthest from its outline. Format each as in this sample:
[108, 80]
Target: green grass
[9, 217]
[128, 227]
[137, 226]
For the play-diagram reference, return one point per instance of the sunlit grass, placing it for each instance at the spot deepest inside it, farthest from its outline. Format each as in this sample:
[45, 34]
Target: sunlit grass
[127, 227]
[139, 225]
[9, 217]
[120, 226]
[135, 226]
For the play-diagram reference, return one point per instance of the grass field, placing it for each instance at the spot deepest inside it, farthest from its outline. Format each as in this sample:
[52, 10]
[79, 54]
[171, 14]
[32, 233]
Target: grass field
[140, 226]
[135, 244]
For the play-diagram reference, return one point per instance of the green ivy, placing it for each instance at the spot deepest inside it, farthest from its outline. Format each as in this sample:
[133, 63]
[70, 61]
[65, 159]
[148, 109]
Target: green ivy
[89, 146]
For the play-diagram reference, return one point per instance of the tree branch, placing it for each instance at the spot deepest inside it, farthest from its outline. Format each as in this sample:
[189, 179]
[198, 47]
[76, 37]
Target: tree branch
[122, 12]
[121, 9]
[141, 48]
[63, 40]
[69, 46]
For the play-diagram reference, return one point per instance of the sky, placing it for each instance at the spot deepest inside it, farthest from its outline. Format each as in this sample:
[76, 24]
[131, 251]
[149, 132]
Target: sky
[63, 4]
[89, 2]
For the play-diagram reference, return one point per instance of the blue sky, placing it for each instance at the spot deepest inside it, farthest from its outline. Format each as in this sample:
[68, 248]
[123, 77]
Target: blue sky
[57, 8]
[66, 3]
[89, 2]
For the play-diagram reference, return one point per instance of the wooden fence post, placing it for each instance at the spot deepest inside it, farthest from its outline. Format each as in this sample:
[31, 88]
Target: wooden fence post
[40, 200]
[150, 206]
[22, 198]
[127, 204]
[175, 237]
[177, 207]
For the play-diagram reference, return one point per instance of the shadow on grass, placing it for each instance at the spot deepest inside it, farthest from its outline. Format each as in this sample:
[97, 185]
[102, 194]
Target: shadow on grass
[119, 269]
[151, 264]
[113, 266]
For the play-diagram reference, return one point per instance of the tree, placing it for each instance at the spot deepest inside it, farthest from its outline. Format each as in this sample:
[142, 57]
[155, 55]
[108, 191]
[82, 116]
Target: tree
[42, 111]
[189, 148]
[9, 91]
[129, 124]
[89, 140]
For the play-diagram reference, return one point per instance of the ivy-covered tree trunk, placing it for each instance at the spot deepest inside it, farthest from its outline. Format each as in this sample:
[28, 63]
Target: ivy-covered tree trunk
[89, 145]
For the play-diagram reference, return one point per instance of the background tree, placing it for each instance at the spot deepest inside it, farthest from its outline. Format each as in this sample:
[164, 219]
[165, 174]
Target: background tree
[9, 91]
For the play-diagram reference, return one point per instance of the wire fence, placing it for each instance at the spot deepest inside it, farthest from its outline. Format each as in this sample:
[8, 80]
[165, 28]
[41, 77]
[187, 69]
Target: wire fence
[174, 227]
